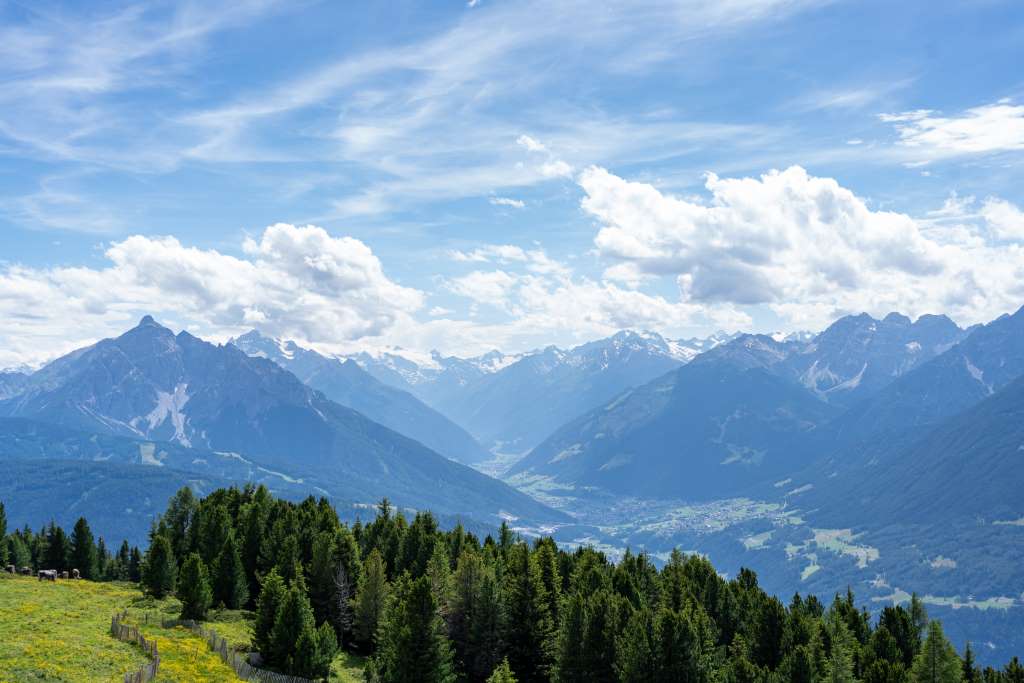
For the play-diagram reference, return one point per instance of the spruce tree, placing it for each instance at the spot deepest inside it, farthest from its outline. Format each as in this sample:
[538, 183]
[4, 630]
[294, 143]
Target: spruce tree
[634, 651]
[937, 662]
[294, 619]
[159, 570]
[3, 534]
[135, 565]
[572, 659]
[83, 550]
[371, 597]
[502, 674]
[124, 559]
[527, 630]
[322, 570]
[971, 673]
[412, 645]
[267, 606]
[194, 588]
[230, 586]
[58, 549]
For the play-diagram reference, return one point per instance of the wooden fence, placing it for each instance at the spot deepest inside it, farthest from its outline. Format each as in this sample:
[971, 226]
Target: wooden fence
[236, 660]
[131, 634]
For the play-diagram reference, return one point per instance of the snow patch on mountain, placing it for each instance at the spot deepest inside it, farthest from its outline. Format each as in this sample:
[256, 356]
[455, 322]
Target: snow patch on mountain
[169, 407]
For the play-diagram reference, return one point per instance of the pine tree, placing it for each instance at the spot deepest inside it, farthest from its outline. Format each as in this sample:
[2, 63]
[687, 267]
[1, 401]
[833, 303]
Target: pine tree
[194, 588]
[971, 673]
[58, 549]
[294, 620]
[634, 651]
[124, 559]
[684, 645]
[230, 586]
[937, 661]
[3, 534]
[439, 572]
[483, 645]
[159, 570]
[83, 550]
[371, 597]
[267, 605]
[412, 645]
[322, 570]
[572, 658]
[527, 630]
[1014, 671]
[502, 674]
[135, 565]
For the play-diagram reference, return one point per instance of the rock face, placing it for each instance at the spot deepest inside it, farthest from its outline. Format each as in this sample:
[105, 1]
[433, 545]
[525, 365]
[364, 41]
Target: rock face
[152, 384]
[346, 383]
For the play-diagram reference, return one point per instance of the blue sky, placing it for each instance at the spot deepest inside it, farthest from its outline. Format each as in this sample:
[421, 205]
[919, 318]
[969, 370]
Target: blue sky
[504, 174]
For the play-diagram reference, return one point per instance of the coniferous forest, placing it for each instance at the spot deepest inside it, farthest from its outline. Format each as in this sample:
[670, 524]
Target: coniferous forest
[431, 605]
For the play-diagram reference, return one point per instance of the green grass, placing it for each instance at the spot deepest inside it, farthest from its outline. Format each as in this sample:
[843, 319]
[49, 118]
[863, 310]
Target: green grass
[348, 668]
[61, 632]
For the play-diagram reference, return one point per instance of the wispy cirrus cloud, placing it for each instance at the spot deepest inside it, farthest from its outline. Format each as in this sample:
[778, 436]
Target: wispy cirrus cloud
[985, 129]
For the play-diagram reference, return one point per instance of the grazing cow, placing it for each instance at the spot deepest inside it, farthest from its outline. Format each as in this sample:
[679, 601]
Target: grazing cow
[64, 575]
[75, 574]
[11, 569]
[47, 574]
[26, 571]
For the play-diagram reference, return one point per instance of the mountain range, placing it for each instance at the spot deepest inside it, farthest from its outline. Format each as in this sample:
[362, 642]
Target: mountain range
[882, 452]
[511, 403]
[152, 385]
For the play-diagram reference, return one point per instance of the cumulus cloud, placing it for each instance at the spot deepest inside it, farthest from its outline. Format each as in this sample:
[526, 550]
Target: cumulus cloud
[806, 247]
[989, 128]
[296, 282]
[1005, 219]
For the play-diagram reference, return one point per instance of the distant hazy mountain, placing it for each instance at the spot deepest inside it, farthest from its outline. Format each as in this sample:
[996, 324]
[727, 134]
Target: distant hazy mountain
[858, 355]
[988, 359]
[514, 402]
[704, 430]
[150, 383]
[12, 383]
[345, 382]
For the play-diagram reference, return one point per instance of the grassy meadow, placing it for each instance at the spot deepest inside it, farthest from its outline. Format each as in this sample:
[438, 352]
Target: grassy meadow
[61, 632]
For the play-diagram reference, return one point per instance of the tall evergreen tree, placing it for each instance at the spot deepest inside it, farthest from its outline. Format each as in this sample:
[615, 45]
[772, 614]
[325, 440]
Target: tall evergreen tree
[83, 550]
[194, 588]
[971, 672]
[937, 661]
[294, 620]
[412, 645]
[371, 597]
[572, 658]
[267, 606]
[57, 548]
[230, 585]
[527, 629]
[3, 534]
[634, 651]
[159, 570]
[135, 565]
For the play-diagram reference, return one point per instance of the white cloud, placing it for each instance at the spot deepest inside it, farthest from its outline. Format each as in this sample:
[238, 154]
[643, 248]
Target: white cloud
[486, 287]
[1005, 219]
[803, 246]
[989, 128]
[499, 252]
[508, 201]
[531, 144]
[294, 282]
